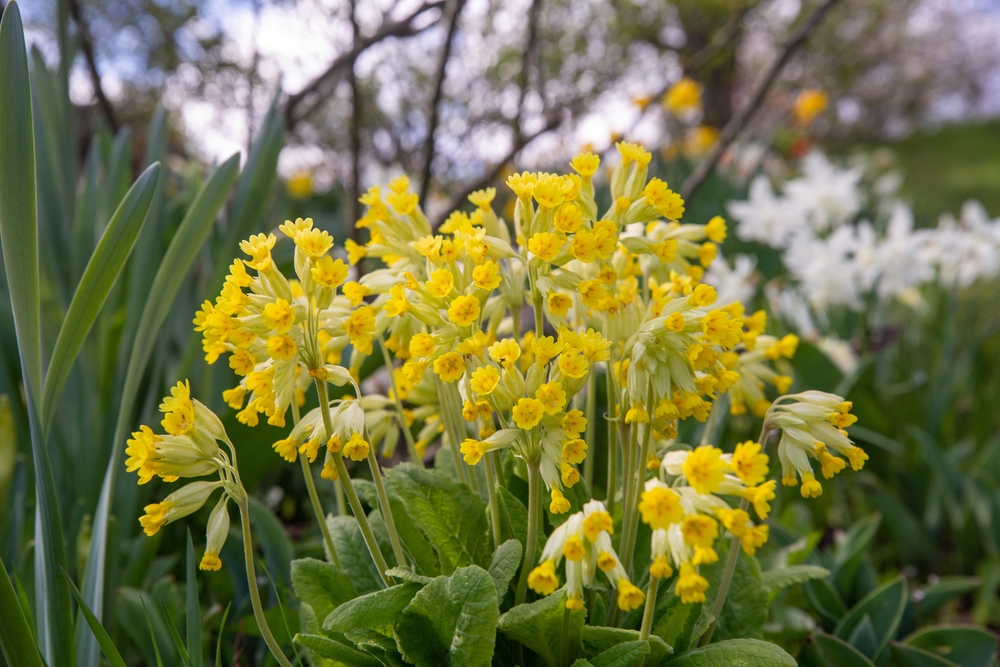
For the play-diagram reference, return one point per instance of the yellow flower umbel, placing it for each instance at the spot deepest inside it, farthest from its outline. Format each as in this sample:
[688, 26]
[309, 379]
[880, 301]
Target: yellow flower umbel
[584, 539]
[813, 425]
[809, 104]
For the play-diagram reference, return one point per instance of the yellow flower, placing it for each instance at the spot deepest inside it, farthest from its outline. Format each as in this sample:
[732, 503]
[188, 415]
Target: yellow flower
[505, 352]
[584, 246]
[674, 322]
[259, 247]
[281, 347]
[559, 304]
[552, 396]
[356, 448]
[704, 469]
[684, 96]
[472, 451]
[486, 275]
[286, 449]
[397, 304]
[573, 548]
[666, 251]
[558, 504]
[522, 184]
[211, 561]
[543, 579]
[464, 310]
[809, 104]
[707, 253]
[141, 450]
[360, 327]
[585, 164]
[484, 380]
[690, 586]
[592, 292]
[548, 191]
[355, 252]
[572, 364]
[595, 523]
[574, 423]
[545, 246]
[155, 517]
[279, 316]
[568, 474]
[699, 530]
[568, 218]
[355, 293]
[527, 413]
[660, 507]
[313, 242]
[810, 487]
[574, 450]
[661, 568]
[449, 366]
[329, 272]
[483, 198]
[716, 229]
[785, 347]
[441, 284]
[299, 186]
[749, 464]
[422, 345]
[630, 596]
[702, 295]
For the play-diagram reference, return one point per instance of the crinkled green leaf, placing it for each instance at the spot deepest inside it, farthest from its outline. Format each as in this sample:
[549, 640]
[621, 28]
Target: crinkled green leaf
[383, 648]
[673, 621]
[405, 575]
[598, 639]
[451, 621]
[538, 626]
[783, 577]
[325, 647]
[514, 519]
[450, 514]
[736, 653]
[377, 610]
[504, 565]
[745, 610]
[626, 654]
[355, 559]
[321, 585]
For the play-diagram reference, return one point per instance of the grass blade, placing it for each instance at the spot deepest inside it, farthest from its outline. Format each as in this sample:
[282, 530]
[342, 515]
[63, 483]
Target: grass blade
[16, 639]
[177, 261]
[222, 629]
[102, 271]
[18, 221]
[108, 646]
[193, 614]
[174, 635]
[152, 635]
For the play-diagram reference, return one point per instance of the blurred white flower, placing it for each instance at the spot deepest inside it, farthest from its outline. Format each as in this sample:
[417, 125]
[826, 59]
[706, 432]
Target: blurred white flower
[736, 283]
[765, 217]
[827, 195]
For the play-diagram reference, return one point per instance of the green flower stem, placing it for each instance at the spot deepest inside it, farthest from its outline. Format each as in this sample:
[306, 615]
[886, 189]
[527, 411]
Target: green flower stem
[497, 467]
[534, 498]
[638, 483]
[258, 608]
[411, 445]
[345, 480]
[539, 324]
[449, 425]
[612, 444]
[727, 579]
[383, 501]
[314, 497]
[564, 646]
[647, 613]
[491, 488]
[591, 408]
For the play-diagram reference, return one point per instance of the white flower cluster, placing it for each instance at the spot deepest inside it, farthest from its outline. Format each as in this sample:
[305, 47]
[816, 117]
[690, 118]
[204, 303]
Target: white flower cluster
[838, 260]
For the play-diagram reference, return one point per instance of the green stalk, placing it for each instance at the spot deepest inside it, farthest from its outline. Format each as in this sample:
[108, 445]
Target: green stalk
[345, 480]
[534, 498]
[591, 408]
[633, 525]
[539, 324]
[410, 444]
[494, 505]
[564, 646]
[445, 401]
[647, 613]
[258, 609]
[314, 497]
[383, 501]
[612, 445]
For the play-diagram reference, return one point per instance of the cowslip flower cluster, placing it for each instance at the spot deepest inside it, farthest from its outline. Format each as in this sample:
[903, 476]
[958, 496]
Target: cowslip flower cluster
[584, 539]
[686, 514]
[813, 425]
[188, 448]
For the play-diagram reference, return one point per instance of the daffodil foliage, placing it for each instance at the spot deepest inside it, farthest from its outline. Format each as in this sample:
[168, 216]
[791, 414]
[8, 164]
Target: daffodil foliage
[496, 336]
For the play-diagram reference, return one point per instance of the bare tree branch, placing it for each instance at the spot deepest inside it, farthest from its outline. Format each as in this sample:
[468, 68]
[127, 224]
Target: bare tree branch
[87, 46]
[301, 104]
[354, 193]
[739, 121]
[529, 49]
[425, 179]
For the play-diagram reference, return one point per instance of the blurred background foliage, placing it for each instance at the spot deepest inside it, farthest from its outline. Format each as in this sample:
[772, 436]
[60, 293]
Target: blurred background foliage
[323, 99]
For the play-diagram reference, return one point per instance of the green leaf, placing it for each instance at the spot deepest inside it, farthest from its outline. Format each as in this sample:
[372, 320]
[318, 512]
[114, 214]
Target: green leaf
[783, 577]
[515, 518]
[747, 601]
[222, 629]
[911, 656]
[355, 559]
[377, 610]
[176, 263]
[277, 546]
[626, 654]
[825, 599]
[538, 626]
[416, 546]
[325, 647]
[152, 635]
[884, 606]
[598, 639]
[947, 588]
[99, 277]
[16, 640]
[382, 647]
[192, 616]
[858, 537]
[321, 585]
[18, 222]
[174, 635]
[736, 653]
[451, 621]
[674, 621]
[450, 514]
[864, 638]
[965, 645]
[406, 575]
[504, 565]
[825, 650]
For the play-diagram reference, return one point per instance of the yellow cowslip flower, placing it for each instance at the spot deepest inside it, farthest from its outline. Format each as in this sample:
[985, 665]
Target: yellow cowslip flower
[545, 246]
[707, 253]
[355, 292]
[715, 230]
[356, 448]
[441, 283]
[568, 218]
[543, 579]
[360, 328]
[279, 316]
[299, 185]
[558, 503]
[684, 97]
[484, 380]
[704, 469]
[472, 451]
[690, 586]
[522, 184]
[487, 275]
[548, 191]
[397, 303]
[702, 296]
[585, 164]
[449, 366]
[464, 310]
[584, 246]
[808, 104]
[719, 328]
[660, 505]
[328, 272]
[574, 450]
[505, 352]
[630, 596]
[559, 304]
[286, 449]
[259, 248]
[527, 413]
[218, 531]
[422, 345]
[760, 497]
[574, 423]
[573, 364]
[282, 348]
[592, 292]
[568, 474]
[483, 198]
[595, 522]
[314, 243]
[660, 568]
[785, 347]
[552, 396]
[749, 464]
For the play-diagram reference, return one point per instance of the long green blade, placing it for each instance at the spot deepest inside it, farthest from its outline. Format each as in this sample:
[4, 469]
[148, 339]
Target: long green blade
[15, 634]
[18, 221]
[102, 271]
[193, 614]
[19, 237]
[108, 646]
[177, 261]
